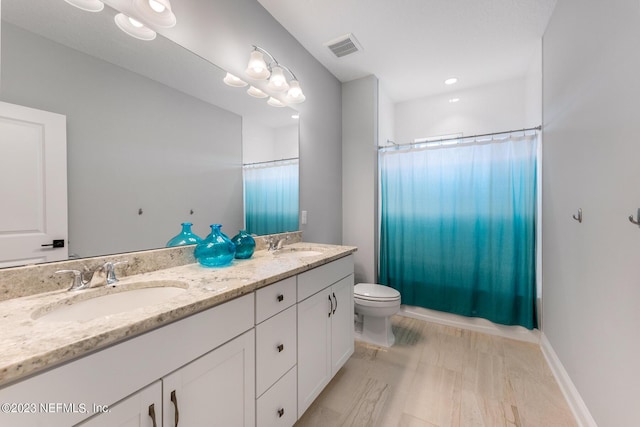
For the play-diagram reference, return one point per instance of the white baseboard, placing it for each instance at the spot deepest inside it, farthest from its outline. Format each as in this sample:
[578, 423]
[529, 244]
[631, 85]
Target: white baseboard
[577, 405]
[471, 323]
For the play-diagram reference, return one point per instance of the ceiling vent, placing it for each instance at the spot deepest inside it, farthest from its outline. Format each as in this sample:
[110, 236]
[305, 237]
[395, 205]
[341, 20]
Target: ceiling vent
[344, 45]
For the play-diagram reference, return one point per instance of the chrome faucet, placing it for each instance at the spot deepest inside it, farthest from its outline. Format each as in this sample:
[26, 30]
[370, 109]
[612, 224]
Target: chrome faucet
[110, 271]
[275, 245]
[86, 278]
[79, 279]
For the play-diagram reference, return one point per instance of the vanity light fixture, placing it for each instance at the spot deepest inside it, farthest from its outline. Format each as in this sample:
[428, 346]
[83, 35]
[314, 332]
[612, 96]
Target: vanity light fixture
[155, 12]
[134, 27]
[275, 102]
[451, 80]
[87, 5]
[256, 93]
[259, 69]
[234, 81]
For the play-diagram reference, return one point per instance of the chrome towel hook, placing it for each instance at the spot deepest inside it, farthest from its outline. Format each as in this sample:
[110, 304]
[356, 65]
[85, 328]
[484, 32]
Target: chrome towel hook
[636, 222]
[579, 217]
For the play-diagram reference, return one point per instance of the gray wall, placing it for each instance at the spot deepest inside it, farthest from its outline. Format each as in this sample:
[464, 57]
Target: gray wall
[359, 173]
[591, 270]
[132, 143]
[223, 31]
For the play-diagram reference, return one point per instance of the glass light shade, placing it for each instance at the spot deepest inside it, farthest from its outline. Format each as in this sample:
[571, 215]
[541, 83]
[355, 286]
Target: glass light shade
[234, 81]
[87, 5]
[155, 12]
[275, 102]
[277, 82]
[257, 68]
[256, 93]
[295, 95]
[134, 28]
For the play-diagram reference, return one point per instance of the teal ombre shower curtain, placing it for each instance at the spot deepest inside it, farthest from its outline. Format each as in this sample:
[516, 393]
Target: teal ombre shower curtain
[271, 197]
[457, 228]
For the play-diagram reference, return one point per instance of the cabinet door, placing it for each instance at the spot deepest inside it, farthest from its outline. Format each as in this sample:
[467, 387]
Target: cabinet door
[216, 389]
[142, 409]
[342, 334]
[314, 347]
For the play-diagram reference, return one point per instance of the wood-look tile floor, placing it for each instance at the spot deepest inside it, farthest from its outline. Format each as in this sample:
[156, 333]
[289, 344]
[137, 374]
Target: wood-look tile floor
[442, 376]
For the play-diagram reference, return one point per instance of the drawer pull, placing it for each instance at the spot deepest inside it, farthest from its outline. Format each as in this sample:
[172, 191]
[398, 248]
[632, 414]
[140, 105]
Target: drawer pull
[280, 298]
[174, 399]
[280, 412]
[330, 306]
[280, 348]
[152, 414]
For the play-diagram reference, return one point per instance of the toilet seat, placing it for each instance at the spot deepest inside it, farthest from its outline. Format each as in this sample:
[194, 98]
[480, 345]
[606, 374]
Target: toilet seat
[375, 293]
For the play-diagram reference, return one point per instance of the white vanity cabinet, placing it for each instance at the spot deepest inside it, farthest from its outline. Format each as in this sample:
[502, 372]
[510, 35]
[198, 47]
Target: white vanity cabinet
[256, 360]
[325, 326]
[276, 354]
[217, 388]
[203, 345]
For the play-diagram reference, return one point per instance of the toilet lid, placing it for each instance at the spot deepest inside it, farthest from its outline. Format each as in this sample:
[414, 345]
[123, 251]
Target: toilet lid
[375, 292]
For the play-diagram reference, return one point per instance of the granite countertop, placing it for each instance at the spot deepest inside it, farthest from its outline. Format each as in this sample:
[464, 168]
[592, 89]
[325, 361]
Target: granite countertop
[30, 344]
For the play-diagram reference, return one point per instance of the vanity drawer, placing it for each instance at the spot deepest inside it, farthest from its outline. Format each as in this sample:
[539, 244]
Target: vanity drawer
[276, 348]
[278, 406]
[274, 298]
[313, 281]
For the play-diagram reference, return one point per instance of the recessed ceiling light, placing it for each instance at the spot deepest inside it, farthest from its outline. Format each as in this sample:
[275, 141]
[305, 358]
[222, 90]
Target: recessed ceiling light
[451, 81]
[295, 116]
[452, 100]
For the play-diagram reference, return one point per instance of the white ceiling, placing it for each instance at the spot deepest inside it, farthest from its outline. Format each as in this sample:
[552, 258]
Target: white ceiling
[412, 46]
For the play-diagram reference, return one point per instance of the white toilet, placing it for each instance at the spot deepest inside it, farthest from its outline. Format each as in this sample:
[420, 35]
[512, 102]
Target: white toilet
[374, 305]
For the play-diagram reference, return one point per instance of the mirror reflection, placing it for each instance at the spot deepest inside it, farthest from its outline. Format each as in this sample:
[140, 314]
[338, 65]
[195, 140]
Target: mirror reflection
[154, 138]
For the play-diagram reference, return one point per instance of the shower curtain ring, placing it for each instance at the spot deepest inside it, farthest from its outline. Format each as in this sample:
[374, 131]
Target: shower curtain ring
[579, 217]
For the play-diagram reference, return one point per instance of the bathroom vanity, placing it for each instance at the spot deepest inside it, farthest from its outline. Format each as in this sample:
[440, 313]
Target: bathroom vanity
[252, 344]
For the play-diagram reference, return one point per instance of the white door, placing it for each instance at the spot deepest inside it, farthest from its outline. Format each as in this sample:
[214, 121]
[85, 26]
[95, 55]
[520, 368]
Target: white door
[314, 347]
[33, 185]
[142, 409]
[218, 389]
[342, 333]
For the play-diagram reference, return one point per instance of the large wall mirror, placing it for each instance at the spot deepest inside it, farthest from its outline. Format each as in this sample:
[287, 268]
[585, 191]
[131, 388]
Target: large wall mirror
[154, 137]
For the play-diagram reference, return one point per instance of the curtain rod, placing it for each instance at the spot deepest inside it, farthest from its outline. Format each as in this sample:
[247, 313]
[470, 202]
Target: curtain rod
[538, 128]
[271, 161]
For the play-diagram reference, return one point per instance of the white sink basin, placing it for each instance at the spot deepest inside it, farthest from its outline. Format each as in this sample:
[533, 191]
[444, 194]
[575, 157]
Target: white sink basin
[296, 253]
[82, 308]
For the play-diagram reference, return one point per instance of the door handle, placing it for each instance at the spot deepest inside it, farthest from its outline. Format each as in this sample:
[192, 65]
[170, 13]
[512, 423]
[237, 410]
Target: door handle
[57, 243]
[174, 400]
[336, 300]
[152, 414]
[330, 306]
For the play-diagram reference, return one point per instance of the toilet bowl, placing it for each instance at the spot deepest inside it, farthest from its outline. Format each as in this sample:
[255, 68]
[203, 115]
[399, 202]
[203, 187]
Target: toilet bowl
[374, 305]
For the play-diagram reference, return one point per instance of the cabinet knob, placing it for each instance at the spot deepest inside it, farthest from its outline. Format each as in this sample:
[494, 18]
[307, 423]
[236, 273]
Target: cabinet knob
[280, 412]
[280, 348]
[280, 298]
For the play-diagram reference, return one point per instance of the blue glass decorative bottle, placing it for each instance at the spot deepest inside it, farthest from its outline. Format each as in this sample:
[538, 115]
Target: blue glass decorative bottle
[216, 250]
[245, 244]
[186, 237]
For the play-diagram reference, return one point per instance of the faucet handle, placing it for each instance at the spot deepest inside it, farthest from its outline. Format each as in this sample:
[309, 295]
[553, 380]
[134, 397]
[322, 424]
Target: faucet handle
[78, 279]
[109, 268]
